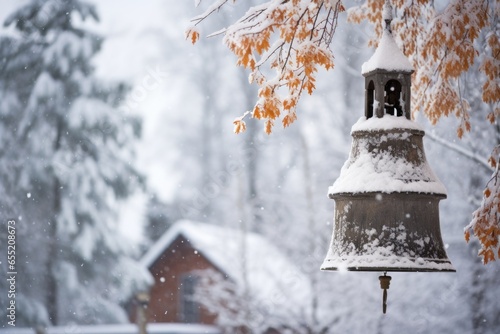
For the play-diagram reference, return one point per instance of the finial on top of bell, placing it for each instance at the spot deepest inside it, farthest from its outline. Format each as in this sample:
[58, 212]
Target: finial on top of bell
[387, 15]
[387, 197]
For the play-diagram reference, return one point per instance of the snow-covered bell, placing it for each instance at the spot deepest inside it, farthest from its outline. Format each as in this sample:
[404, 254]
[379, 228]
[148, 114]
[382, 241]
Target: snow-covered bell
[387, 197]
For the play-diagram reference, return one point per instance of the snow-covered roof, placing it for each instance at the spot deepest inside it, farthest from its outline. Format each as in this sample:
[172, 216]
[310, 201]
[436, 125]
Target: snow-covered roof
[383, 171]
[388, 122]
[269, 272]
[388, 56]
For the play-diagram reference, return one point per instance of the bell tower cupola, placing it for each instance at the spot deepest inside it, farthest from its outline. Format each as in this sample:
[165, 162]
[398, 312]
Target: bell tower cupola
[387, 76]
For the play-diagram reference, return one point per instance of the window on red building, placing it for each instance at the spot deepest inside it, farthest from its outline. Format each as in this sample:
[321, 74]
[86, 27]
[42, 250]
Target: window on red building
[190, 309]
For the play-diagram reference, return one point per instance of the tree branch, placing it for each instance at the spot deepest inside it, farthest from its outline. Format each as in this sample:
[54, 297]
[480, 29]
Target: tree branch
[482, 161]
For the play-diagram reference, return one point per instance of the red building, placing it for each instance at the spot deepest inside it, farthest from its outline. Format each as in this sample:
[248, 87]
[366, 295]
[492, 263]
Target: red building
[178, 258]
[173, 261]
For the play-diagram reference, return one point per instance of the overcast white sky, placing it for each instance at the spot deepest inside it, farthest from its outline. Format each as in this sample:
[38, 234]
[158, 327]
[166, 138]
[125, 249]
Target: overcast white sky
[133, 49]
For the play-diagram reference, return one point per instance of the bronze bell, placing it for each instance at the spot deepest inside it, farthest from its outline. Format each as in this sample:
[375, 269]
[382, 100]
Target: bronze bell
[387, 197]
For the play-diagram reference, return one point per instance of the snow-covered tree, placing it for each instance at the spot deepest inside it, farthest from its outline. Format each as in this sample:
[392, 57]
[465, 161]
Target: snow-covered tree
[292, 39]
[66, 164]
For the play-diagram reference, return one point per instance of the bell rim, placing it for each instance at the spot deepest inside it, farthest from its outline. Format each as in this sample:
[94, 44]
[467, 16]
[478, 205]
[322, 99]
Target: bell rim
[370, 132]
[412, 265]
[389, 269]
[374, 193]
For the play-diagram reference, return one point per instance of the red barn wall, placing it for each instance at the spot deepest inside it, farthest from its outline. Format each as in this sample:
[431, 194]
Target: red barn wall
[165, 296]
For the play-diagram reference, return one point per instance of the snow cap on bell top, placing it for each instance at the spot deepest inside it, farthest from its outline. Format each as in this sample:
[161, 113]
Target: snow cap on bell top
[387, 13]
[388, 56]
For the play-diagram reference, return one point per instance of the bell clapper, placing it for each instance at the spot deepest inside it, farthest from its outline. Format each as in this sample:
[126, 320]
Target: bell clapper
[384, 284]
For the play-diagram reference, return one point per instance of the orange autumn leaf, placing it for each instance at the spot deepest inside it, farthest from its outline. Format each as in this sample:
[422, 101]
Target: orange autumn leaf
[193, 35]
[491, 117]
[493, 162]
[269, 126]
[288, 104]
[289, 119]
[239, 126]
[257, 113]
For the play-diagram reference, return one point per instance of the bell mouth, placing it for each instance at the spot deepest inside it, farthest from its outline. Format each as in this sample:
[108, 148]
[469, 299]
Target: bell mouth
[380, 195]
[383, 264]
[387, 232]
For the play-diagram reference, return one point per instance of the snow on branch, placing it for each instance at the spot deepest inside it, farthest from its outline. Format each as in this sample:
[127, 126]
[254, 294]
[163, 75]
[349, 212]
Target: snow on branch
[482, 161]
[216, 6]
[288, 38]
[485, 224]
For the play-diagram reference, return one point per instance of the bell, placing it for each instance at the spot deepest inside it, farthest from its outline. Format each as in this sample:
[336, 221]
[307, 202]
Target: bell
[387, 197]
[387, 204]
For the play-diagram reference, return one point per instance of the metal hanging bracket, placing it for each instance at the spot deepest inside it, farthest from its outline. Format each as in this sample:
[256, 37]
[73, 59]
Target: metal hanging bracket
[384, 284]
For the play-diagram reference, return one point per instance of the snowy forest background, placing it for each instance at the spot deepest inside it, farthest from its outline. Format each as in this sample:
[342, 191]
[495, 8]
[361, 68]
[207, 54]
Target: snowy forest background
[113, 130]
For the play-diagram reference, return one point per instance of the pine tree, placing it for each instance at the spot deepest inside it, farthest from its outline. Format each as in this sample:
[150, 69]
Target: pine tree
[66, 165]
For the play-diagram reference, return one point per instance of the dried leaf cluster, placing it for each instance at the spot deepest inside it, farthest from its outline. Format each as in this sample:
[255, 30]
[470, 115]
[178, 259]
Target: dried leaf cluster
[282, 43]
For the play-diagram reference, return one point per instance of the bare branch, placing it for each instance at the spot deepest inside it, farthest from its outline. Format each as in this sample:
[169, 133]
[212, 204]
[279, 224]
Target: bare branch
[482, 161]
